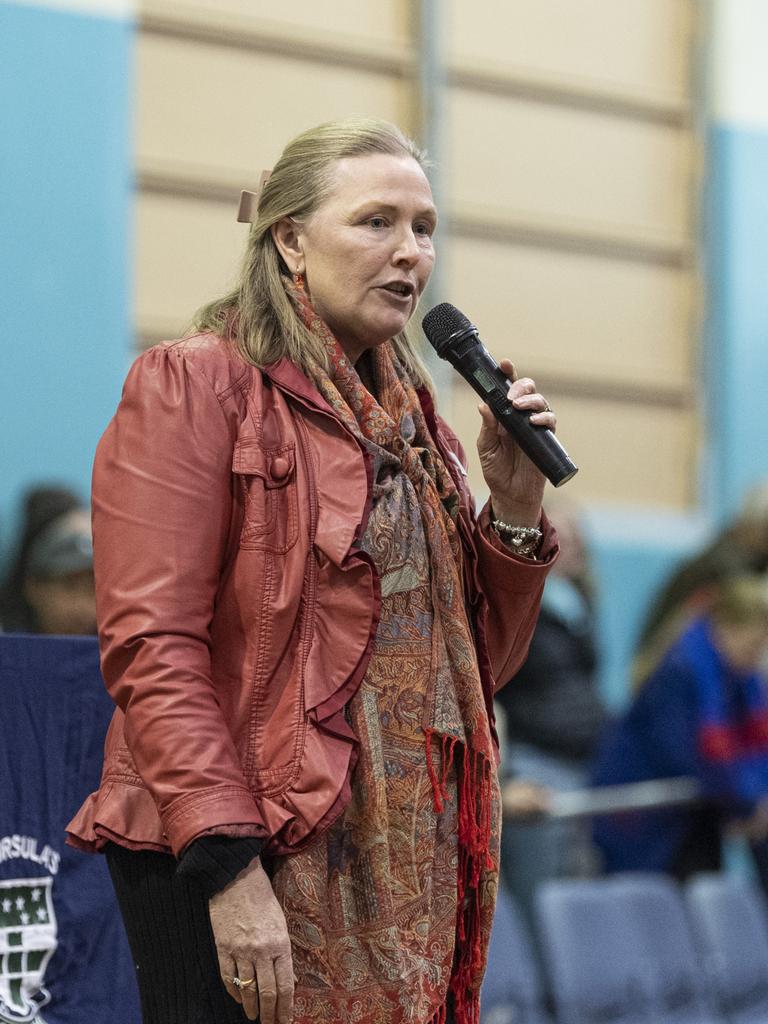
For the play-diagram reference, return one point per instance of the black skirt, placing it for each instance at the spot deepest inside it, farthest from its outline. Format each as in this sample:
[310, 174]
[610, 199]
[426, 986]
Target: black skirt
[169, 932]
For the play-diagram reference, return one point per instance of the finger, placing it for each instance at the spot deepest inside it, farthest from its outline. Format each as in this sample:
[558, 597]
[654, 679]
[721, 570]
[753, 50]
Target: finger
[545, 419]
[488, 438]
[532, 400]
[228, 971]
[265, 973]
[508, 369]
[487, 416]
[536, 403]
[249, 990]
[284, 979]
[523, 386]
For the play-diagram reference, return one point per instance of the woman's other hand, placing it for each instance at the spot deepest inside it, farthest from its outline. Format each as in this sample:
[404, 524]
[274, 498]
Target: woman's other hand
[516, 485]
[252, 945]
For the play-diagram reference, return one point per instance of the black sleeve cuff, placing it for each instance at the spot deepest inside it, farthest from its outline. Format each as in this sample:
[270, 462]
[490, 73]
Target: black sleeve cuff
[211, 862]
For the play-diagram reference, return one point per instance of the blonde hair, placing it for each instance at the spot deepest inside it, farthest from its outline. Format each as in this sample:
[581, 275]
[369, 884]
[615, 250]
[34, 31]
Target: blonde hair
[257, 316]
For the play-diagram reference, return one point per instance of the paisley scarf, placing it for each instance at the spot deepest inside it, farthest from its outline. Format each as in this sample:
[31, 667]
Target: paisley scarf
[390, 911]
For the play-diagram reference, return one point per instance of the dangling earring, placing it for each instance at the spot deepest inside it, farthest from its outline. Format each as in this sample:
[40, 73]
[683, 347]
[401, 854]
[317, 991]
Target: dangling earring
[298, 280]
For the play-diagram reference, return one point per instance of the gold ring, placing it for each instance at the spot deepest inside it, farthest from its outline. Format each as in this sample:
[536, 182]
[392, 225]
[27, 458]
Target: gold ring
[239, 983]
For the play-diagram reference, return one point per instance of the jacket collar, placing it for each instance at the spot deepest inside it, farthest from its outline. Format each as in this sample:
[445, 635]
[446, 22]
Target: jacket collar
[289, 377]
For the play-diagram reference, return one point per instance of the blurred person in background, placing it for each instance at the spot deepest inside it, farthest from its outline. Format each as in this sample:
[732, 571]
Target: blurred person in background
[741, 547]
[553, 717]
[59, 585]
[702, 714]
[49, 586]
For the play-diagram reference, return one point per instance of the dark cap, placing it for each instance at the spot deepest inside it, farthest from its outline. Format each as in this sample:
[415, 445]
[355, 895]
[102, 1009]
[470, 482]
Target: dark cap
[63, 548]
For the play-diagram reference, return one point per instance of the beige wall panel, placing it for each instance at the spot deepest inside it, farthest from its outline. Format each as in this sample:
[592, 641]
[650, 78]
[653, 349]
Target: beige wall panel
[225, 110]
[386, 21]
[187, 252]
[565, 314]
[629, 46]
[626, 454]
[574, 169]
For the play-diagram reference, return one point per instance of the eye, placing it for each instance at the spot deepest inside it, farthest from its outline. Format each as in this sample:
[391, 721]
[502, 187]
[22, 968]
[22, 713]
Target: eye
[424, 228]
[377, 222]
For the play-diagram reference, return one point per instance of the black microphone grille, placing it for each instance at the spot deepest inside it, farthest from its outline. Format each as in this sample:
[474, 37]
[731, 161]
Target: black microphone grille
[442, 321]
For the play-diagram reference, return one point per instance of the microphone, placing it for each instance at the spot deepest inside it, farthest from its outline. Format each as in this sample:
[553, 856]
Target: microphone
[455, 339]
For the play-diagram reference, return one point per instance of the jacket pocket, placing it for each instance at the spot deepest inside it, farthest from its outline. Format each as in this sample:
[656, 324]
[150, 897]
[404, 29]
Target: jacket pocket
[266, 478]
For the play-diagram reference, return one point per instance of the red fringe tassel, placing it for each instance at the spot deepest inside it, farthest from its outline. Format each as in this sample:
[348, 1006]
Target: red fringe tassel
[440, 1017]
[474, 828]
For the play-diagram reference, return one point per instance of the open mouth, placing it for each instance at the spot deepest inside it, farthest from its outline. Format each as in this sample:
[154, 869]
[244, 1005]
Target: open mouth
[401, 288]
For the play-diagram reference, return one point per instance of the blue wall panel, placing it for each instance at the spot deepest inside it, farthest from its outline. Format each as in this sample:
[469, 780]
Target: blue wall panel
[65, 188]
[628, 576]
[737, 336]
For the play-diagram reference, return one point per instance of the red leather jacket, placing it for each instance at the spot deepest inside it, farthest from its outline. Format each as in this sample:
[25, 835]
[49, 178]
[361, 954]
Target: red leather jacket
[236, 614]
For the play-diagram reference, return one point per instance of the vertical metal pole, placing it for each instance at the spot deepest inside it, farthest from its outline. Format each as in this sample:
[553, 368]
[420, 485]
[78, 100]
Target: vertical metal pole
[704, 328]
[430, 121]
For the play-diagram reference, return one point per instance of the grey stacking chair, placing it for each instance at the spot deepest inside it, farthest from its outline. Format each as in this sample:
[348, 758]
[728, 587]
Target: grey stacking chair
[677, 981]
[728, 918]
[512, 991]
[593, 955]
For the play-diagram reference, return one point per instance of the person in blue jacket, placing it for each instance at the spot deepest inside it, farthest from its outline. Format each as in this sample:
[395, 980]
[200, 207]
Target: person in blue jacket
[702, 713]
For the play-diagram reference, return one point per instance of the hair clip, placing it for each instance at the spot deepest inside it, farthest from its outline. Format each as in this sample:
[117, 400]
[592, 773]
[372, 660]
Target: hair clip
[249, 201]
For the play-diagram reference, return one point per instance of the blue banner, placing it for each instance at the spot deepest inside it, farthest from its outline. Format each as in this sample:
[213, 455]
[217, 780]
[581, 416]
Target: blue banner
[64, 958]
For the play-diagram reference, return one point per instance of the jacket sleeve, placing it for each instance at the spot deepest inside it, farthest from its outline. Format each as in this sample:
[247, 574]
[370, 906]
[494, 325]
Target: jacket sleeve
[510, 586]
[161, 520]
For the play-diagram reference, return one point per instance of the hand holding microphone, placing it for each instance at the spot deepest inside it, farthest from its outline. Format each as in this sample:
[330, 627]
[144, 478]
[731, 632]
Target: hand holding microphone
[455, 339]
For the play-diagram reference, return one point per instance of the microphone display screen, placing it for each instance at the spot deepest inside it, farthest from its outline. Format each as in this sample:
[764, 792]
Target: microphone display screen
[484, 379]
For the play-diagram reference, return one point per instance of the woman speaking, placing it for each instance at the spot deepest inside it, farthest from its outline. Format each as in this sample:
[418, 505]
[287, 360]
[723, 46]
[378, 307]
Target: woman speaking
[301, 623]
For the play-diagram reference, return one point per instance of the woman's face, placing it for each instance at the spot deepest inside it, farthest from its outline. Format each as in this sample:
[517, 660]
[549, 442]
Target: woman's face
[367, 249]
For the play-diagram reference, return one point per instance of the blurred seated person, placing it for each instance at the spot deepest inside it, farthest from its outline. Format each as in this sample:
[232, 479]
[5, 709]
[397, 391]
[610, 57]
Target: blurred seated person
[552, 719]
[702, 713]
[740, 548]
[40, 506]
[56, 587]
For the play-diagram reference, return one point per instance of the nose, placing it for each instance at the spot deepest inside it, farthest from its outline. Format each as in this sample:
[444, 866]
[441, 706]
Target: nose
[407, 250]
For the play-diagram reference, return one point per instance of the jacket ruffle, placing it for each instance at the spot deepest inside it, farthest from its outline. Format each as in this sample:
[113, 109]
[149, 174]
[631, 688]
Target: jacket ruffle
[123, 810]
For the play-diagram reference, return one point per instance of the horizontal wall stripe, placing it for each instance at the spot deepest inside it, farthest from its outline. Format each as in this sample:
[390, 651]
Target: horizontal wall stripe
[658, 395]
[188, 183]
[570, 238]
[245, 33]
[522, 84]
[96, 8]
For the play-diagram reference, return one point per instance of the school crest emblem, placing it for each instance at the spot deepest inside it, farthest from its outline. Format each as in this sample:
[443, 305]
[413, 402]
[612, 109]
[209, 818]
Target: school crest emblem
[27, 942]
